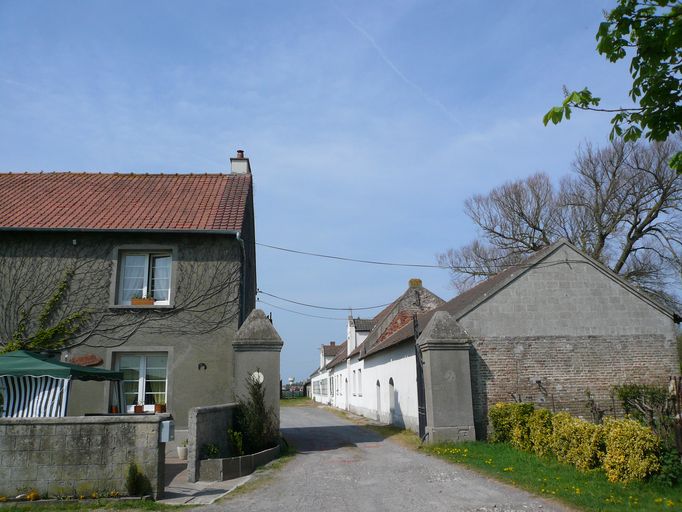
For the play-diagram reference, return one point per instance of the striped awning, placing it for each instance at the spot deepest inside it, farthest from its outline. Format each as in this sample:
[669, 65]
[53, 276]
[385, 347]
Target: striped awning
[33, 397]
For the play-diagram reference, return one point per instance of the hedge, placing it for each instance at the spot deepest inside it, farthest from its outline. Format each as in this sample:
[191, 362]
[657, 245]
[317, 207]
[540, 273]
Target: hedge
[625, 449]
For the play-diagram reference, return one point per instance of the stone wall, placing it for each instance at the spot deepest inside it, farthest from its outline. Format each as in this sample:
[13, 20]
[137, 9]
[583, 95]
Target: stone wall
[63, 455]
[505, 369]
[207, 425]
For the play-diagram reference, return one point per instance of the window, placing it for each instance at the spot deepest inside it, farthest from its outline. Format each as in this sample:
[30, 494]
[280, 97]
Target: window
[353, 384]
[359, 382]
[144, 274]
[144, 379]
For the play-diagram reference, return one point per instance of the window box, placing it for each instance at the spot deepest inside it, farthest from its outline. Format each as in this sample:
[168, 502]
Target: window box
[142, 301]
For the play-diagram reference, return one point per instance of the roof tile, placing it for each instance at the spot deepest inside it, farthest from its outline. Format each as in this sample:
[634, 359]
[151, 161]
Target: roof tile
[65, 200]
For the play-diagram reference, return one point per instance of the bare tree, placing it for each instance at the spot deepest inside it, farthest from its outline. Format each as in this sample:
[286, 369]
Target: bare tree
[57, 295]
[621, 204]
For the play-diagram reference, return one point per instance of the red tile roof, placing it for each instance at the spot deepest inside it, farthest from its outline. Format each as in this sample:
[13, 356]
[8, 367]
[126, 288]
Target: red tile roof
[90, 201]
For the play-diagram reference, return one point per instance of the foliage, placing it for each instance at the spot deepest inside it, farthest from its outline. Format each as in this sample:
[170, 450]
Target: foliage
[255, 420]
[510, 423]
[645, 403]
[650, 31]
[540, 426]
[549, 478]
[137, 484]
[577, 442]
[631, 451]
[235, 442]
[670, 473]
[50, 332]
[211, 451]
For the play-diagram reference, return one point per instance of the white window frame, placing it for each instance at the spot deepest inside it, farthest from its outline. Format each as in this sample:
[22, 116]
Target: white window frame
[141, 379]
[148, 255]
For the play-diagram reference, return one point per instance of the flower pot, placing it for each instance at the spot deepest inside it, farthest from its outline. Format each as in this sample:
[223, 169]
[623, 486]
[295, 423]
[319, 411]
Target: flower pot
[159, 408]
[139, 409]
[139, 301]
[182, 452]
[114, 409]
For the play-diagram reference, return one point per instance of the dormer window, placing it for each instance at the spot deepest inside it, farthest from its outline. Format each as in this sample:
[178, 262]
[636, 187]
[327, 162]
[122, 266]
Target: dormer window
[144, 275]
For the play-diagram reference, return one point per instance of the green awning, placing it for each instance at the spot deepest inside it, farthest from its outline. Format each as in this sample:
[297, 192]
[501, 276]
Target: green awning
[23, 364]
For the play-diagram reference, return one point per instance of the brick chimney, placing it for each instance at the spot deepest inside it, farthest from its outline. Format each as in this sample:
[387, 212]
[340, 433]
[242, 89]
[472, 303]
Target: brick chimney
[240, 164]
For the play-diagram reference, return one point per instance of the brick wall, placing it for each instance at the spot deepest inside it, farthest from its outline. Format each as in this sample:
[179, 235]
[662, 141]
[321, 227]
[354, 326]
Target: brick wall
[504, 369]
[52, 455]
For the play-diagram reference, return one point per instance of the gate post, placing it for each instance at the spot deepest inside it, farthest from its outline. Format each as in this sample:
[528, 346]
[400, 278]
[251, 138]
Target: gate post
[256, 348]
[444, 346]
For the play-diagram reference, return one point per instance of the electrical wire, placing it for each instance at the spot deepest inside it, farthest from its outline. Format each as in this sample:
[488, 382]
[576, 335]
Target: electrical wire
[302, 314]
[342, 258]
[323, 307]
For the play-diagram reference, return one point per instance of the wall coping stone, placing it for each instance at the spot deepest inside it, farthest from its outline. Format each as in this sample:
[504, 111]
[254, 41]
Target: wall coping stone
[84, 420]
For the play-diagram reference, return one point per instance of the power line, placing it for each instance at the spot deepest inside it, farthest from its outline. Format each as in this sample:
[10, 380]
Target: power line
[343, 258]
[324, 307]
[300, 313]
[454, 268]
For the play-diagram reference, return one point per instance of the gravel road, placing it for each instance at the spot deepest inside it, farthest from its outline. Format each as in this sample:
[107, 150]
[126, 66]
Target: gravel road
[345, 467]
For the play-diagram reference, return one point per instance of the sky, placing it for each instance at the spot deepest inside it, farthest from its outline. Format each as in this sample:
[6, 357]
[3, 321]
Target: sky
[367, 124]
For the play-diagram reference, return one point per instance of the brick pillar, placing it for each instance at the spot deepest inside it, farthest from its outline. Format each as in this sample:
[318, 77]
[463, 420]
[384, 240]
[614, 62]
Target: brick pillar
[445, 347]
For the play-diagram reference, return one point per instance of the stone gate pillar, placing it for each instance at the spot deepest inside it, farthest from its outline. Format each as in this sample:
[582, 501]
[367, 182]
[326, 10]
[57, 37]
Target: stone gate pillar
[257, 347]
[447, 380]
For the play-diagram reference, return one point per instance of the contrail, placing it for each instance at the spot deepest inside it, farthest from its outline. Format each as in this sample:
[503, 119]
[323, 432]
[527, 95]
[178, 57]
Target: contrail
[434, 101]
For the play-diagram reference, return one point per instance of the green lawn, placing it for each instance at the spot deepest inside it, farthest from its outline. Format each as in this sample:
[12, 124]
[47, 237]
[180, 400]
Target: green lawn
[296, 402]
[547, 477]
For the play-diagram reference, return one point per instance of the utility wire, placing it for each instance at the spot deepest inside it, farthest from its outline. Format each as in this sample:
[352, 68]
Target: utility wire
[342, 258]
[454, 268]
[324, 307]
[302, 314]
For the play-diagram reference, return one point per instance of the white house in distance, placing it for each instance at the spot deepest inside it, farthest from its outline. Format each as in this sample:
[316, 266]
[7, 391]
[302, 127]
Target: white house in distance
[544, 331]
[352, 380]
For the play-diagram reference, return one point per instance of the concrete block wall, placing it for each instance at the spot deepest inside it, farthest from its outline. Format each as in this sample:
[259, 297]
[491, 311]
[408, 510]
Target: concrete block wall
[207, 425]
[52, 455]
[504, 369]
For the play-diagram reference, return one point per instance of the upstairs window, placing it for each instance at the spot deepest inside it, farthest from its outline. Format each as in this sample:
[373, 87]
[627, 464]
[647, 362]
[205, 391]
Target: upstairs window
[144, 275]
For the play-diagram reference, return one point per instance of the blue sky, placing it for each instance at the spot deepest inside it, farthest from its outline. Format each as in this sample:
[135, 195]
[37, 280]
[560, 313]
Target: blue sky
[367, 123]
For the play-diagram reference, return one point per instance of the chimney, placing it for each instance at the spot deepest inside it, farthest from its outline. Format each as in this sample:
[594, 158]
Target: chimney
[240, 165]
[332, 343]
[415, 283]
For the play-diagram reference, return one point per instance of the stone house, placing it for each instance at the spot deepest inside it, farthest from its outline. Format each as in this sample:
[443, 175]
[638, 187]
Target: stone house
[546, 331]
[162, 265]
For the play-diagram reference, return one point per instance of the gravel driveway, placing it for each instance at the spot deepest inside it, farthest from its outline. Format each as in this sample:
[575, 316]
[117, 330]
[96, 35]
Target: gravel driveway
[344, 467]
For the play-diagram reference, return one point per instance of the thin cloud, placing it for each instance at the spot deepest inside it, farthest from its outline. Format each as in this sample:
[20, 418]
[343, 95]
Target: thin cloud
[382, 54]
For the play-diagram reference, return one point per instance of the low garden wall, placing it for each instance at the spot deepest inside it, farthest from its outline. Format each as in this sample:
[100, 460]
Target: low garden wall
[207, 425]
[80, 454]
[234, 467]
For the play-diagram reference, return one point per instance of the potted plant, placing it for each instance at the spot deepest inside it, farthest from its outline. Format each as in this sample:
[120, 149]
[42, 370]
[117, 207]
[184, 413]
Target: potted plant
[139, 408]
[182, 450]
[142, 300]
[160, 408]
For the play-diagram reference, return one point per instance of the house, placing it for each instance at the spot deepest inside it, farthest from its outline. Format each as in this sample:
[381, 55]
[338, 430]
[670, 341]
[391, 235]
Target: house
[162, 267]
[546, 331]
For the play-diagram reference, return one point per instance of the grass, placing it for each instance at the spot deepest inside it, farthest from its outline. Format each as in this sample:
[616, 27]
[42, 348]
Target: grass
[89, 505]
[547, 477]
[301, 401]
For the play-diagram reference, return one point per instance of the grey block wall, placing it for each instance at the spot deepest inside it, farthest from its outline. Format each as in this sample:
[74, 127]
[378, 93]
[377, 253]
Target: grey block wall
[53, 455]
[207, 425]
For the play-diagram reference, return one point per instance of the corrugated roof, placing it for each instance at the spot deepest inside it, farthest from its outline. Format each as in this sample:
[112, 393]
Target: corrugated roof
[97, 201]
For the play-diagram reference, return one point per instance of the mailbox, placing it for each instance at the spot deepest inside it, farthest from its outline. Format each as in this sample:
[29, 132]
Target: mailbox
[167, 431]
